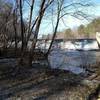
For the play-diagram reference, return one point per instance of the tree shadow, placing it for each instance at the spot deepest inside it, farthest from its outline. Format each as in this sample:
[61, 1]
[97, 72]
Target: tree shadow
[49, 81]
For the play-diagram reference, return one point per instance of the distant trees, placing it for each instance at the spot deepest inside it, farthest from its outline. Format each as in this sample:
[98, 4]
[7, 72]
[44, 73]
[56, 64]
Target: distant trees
[90, 29]
[9, 25]
[81, 31]
[5, 22]
[96, 24]
[68, 33]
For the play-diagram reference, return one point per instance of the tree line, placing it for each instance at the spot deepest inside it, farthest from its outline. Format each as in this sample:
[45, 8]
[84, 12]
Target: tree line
[84, 31]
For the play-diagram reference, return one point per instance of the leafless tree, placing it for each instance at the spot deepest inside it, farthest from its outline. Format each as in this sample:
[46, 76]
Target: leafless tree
[5, 19]
[15, 27]
[61, 8]
[73, 8]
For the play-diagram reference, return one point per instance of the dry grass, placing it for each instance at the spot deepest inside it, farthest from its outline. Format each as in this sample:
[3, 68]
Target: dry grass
[41, 83]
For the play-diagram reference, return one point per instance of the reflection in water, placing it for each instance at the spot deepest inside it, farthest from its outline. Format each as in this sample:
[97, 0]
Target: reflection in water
[72, 60]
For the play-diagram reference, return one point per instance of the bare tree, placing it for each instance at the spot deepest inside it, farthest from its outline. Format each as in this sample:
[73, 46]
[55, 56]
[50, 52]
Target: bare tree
[15, 27]
[72, 8]
[5, 19]
[61, 8]
[32, 24]
[42, 10]
[30, 21]
[22, 25]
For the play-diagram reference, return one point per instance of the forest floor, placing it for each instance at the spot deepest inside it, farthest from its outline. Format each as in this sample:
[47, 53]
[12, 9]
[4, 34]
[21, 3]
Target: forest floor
[42, 83]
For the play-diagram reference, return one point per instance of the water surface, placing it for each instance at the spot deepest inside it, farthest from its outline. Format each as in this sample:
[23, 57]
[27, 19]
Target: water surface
[73, 60]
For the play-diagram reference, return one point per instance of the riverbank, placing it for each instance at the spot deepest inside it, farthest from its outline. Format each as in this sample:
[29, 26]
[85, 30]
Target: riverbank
[42, 83]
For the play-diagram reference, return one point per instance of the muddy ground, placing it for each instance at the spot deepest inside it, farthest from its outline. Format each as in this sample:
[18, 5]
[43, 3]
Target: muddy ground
[42, 83]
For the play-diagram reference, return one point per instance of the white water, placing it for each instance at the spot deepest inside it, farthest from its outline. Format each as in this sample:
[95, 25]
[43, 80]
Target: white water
[81, 45]
[72, 60]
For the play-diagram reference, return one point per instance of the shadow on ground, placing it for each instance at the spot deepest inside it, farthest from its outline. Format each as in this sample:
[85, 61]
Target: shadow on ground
[41, 83]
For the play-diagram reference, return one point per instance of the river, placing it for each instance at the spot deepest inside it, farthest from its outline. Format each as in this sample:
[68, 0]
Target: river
[75, 60]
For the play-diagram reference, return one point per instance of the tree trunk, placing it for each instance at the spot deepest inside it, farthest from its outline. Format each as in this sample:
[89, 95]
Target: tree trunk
[41, 13]
[29, 26]
[22, 26]
[22, 32]
[55, 30]
[14, 24]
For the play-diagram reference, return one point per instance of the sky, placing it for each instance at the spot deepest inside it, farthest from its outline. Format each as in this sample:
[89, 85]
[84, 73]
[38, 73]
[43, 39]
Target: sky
[69, 21]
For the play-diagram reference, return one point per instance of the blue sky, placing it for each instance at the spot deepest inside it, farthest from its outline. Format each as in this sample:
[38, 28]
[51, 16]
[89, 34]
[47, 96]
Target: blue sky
[69, 21]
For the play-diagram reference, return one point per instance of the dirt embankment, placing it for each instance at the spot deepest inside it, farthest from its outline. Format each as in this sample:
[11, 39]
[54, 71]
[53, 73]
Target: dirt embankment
[42, 83]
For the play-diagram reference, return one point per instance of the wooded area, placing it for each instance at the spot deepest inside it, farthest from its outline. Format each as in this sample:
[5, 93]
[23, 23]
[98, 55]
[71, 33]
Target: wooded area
[24, 66]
